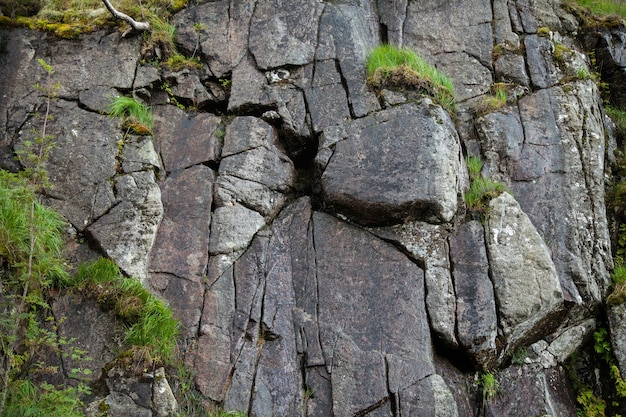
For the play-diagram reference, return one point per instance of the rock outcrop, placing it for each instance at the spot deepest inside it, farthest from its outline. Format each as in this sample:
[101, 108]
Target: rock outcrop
[309, 232]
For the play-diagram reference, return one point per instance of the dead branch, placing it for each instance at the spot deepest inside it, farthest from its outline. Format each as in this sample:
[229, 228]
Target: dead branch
[138, 26]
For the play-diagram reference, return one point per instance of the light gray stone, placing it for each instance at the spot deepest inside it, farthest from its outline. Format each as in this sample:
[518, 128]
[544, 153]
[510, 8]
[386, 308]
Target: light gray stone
[525, 280]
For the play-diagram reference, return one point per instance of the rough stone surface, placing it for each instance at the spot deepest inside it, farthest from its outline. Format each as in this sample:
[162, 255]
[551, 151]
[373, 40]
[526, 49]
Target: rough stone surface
[525, 280]
[617, 322]
[363, 181]
[476, 318]
[312, 244]
[531, 391]
[185, 140]
[127, 232]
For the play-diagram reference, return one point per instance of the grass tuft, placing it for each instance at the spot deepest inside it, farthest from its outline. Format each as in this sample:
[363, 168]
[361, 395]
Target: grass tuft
[389, 66]
[481, 190]
[135, 115]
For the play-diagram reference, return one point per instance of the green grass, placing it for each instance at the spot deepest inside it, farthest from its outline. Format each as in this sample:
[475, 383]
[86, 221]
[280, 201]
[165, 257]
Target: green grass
[135, 115]
[28, 400]
[481, 189]
[150, 324]
[605, 7]
[402, 67]
[16, 201]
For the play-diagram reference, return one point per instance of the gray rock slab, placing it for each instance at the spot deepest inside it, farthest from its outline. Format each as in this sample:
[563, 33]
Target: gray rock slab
[184, 140]
[128, 231]
[182, 242]
[476, 318]
[398, 165]
[525, 280]
[617, 322]
[532, 391]
[351, 293]
[222, 38]
[284, 33]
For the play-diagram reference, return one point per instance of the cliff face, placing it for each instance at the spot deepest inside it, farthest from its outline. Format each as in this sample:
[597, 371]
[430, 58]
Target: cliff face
[309, 232]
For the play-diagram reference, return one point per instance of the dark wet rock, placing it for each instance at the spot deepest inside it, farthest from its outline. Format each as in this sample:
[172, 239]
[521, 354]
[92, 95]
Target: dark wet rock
[476, 318]
[185, 139]
[374, 179]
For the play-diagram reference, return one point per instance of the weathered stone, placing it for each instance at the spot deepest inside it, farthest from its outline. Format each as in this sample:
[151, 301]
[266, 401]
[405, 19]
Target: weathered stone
[187, 86]
[363, 181]
[221, 40]
[254, 169]
[476, 318]
[211, 359]
[390, 352]
[81, 162]
[511, 67]
[455, 37]
[525, 280]
[95, 59]
[93, 332]
[97, 98]
[128, 231]
[185, 297]
[184, 140]
[164, 403]
[139, 155]
[428, 245]
[543, 73]
[350, 31]
[571, 339]
[532, 391]
[232, 228]
[327, 97]
[545, 151]
[617, 322]
[429, 397]
[122, 405]
[182, 242]
[284, 33]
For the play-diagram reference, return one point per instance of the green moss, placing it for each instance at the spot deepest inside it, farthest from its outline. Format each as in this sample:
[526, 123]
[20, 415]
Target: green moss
[179, 62]
[389, 66]
[544, 32]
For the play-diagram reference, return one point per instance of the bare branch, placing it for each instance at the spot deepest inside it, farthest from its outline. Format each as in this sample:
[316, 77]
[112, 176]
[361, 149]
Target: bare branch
[138, 26]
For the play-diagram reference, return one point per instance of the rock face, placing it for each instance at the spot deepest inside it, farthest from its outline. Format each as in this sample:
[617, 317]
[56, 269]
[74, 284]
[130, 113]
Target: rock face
[310, 233]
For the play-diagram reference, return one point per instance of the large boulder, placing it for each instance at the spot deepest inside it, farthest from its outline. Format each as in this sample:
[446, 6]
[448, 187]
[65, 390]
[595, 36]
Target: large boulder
[394, 166]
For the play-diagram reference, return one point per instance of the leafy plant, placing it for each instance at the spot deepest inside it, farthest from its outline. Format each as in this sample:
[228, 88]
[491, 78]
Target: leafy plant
[403, 68]
[603, 347]
[592, 406]
[135, 115]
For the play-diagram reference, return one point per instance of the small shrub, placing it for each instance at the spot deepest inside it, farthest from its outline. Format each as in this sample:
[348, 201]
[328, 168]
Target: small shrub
[389, 66]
